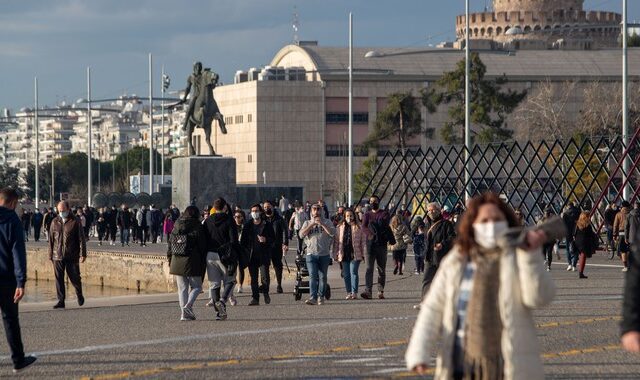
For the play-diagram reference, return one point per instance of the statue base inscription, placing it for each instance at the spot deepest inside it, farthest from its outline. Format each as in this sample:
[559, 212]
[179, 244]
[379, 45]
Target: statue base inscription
[202, 179]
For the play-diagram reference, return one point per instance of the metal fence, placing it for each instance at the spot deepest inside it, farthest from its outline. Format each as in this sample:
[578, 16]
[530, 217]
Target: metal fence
[530, 176]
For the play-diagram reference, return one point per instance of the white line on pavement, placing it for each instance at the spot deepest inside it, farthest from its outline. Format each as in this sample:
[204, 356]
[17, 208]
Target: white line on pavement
[596, 265]
[358, 360]
[182, 339]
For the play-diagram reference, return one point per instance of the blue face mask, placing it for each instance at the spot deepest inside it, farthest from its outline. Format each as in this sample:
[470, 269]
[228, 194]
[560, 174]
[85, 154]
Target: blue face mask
[64, 214]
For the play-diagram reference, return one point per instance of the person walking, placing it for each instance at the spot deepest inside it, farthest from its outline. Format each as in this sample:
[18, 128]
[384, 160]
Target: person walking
[186, 253]
[480, 307]
[167, 225]
[283, 204]
[632, 227]
[112, 224]
[376, 227]
[418, 248]
[281, 244]
[438, 241]
[619, 229]
[295, 224]
[222, 256]
[36, 223]
[547, 248]
[350, 246]
[257, 240]
[46, 221]
[570, 217]
[402, 238]
[26, 223]
[630, 326]
[156, 224]
[144, 220]
[609, 218]
[318, 233]
[586, 242]
[13, 276]
[101, 225]
[243, 258]
[67, 249]
[124, 224]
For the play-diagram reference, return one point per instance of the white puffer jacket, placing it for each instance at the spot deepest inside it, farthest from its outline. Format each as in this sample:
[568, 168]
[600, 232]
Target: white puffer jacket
[524, 285]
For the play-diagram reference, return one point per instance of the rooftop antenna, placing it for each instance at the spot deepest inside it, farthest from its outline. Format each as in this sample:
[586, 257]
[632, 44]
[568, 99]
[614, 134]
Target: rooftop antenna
[295, 24]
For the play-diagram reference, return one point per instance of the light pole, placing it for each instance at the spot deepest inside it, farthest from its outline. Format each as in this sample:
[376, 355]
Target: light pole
[127, 146]
[165, 86]
[625, 103]
[36, 128]
[150, 124]
[350, 164]
[89, 147]
[113, 163]
[467, 107]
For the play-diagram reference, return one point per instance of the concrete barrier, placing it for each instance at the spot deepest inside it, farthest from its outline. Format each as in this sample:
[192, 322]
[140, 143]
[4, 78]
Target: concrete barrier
[128, 270]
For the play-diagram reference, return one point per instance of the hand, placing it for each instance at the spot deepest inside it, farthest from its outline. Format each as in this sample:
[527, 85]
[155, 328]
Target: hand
[262, 239]
[18, 295]
[421, 369]
[285, 249]
[535, 239]
[438, 246]
[83, 259]
[631, 341]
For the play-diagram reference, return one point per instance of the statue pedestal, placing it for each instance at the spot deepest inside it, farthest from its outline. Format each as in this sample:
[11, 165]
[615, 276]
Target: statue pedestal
[204, 178]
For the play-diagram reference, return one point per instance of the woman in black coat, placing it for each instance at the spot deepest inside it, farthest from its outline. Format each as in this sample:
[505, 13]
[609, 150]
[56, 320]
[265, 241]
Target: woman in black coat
[187, 252]
[585, 240]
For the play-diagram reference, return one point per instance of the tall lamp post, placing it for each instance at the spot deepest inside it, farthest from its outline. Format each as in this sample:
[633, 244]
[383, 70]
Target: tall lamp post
[625, 103]
[350, 165]
[467, 106]
[166, 82]
[150, 124]
[36, 128]
[113, 163]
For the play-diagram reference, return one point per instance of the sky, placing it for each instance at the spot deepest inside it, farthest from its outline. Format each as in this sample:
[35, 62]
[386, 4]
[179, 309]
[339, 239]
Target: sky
[56, 40]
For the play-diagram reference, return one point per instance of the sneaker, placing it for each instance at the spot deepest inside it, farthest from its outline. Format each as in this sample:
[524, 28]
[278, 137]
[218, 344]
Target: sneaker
[279, 290]
[366, 295]
[416, 272]
[625, 269]
[254, 302]
[573, 269]
[222, 310]
[267, 298]
[233, 301]
[218, 317]
[321, 301]
[416, 307]
[311, 302]
[548, 269]
[80, 300]
[349, 296]
[188, 313]
[354, 296]
[210, 303]
[381, 295]
[26, 362]
[569, 268]
[59, 305]
[239, 289]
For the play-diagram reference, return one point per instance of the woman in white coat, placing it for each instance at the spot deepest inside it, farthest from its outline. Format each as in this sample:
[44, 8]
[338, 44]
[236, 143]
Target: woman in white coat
[486, 327]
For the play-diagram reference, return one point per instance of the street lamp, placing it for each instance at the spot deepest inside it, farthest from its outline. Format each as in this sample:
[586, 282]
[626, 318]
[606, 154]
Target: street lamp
[166, 82]
[113, 163]
[625, 102]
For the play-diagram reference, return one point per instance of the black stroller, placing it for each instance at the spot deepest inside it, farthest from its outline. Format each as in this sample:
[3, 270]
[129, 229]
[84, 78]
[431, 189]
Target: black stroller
[302, 278]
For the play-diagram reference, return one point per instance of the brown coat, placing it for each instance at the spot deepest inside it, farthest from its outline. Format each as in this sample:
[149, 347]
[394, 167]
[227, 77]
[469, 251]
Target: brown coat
[358, 238]
[620, 222]
[66, 240]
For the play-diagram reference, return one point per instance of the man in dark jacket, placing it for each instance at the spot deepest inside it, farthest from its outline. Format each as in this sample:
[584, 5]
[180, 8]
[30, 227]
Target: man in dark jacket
[570, 216]
[438, 240]
[46, 222]
[26, 223]
[257, 239]
[281, 242]
[375, 225]
[67, 249]
[124, 224]
[222, 255]
[609, 217]
[630, 327]
[89, 219]
[633, 224]
[13, 275]
[36, 222]
[156, 224]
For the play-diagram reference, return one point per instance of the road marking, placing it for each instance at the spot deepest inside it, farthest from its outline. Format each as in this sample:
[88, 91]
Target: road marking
[358, 360]
[597, 265]
[182, 339]
[580, 351]
[578, 322]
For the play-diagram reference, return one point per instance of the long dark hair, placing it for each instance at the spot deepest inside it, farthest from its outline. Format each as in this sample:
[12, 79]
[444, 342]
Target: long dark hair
[466, 237]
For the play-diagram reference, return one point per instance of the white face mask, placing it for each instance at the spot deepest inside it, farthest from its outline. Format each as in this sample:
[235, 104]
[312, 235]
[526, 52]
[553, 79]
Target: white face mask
[348, 219]
[487, 234]
[255, 215]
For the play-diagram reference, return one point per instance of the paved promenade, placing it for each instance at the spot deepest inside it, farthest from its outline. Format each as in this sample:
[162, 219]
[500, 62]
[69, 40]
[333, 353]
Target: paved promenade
[141, 336]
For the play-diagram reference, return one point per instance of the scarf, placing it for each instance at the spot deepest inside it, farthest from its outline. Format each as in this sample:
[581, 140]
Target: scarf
[482, 348]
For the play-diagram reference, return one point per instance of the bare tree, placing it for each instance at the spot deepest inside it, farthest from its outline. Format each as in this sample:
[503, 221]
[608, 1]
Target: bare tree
[544, 114]
[601, 113]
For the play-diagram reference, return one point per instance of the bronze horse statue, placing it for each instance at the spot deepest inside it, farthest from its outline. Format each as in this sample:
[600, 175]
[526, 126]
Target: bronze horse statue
[203, 108]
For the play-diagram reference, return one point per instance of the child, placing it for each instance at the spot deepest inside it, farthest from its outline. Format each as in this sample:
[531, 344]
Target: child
[418, 249]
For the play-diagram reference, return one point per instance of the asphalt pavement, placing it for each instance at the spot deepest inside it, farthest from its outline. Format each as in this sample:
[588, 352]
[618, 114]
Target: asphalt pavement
[129, 337]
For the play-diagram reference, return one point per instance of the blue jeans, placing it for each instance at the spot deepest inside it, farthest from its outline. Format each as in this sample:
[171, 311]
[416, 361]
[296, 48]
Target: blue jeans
[124, 236]
[350, 274]
[572, 257]
[317, 266]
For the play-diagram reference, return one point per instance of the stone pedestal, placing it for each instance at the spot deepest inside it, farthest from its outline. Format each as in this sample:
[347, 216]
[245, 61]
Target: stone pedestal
[204, 178]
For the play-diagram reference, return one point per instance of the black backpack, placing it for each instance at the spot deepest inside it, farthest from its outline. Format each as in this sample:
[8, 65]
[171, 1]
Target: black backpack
[182, 244]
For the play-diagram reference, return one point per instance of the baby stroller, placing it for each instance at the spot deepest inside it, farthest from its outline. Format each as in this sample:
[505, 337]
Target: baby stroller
[302, 278]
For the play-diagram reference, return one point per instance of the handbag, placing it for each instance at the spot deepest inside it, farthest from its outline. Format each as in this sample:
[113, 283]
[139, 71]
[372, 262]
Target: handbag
[407, 239]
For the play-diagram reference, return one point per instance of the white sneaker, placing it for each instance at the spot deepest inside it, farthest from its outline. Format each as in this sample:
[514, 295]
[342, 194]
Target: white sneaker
[239, 289]
[573, 269]
[569, 268]
[232, 300]
[625, 269]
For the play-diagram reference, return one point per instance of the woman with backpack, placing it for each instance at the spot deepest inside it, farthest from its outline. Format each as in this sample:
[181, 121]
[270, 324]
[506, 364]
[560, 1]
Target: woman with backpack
[585, 240]
[187, 252]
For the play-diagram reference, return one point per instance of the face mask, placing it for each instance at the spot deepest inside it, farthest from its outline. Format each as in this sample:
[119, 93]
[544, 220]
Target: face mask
[268, 211]
[487, 234]
[255, 215]
[64, 214]
[348, 219]
[374, 206]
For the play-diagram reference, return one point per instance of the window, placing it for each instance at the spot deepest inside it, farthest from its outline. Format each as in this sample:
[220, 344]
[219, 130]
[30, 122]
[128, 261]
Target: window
[343, 117]
[239, 119]
[249, 158]
[228, 120]
[249, 118]
[343, 151]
